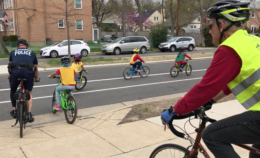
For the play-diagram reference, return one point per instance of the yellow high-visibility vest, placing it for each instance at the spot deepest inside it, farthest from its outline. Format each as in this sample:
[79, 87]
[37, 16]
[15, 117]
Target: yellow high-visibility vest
[246, 86]
[67, 75]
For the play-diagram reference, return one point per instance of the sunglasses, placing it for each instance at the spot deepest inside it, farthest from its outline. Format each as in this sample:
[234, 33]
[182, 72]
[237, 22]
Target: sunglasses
[211, 25]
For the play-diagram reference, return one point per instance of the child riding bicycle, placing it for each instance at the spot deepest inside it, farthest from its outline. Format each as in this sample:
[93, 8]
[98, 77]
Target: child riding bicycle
[180, 58]
[77, 65]
[135, 57]
[67, 78]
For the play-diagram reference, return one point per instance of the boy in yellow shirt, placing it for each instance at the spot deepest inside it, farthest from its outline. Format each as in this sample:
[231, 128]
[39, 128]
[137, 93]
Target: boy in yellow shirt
[67, 78]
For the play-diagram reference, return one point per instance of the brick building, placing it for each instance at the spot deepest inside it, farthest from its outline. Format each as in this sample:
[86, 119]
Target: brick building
[44, 20]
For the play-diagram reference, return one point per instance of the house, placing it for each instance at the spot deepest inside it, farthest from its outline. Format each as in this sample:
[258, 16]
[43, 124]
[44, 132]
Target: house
[196, 23]
[39, 21]
[149, 18]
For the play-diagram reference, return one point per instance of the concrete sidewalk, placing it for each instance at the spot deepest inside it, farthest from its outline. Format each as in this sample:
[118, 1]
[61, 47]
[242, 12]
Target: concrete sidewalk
[97, 134]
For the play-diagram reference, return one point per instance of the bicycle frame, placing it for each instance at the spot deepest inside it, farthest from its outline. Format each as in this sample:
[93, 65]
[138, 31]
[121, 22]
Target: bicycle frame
[197, 146]
[134, 70]
[63, 101]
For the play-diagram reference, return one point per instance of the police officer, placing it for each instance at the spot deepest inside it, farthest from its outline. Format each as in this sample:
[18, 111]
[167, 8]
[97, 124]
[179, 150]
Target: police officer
[23, 62]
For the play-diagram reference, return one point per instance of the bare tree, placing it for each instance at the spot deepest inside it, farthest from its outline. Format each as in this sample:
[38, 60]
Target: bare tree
[140, 14]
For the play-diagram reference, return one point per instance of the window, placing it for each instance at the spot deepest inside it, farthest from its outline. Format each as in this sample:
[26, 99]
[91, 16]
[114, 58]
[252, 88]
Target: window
[141, 39]
[78, 4]
[64, 43]
[10, 3]
[60, 23]
[199, 18]
[79, 25]
[134, 39]
[11, 24]
[179, 40]
[5, 4]
[1, 27]
[253, 14]
[75, 42]
[156, 18]
[253, 28]
[126, 40]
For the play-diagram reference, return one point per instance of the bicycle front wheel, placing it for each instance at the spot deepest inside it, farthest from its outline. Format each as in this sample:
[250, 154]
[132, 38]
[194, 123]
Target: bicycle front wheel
[82, 83]
[170, 151]
[127, 73]
[21, 114]
[174, 71]
[188, 70]
[145, 71]
[71, 111]
[53, 103]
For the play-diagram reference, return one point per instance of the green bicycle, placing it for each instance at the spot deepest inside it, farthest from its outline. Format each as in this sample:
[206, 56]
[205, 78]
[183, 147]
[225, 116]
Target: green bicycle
[177, 68]
[68, 104]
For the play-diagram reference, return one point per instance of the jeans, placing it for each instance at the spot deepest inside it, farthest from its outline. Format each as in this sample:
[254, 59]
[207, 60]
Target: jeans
[239, 129]
[62, 88]
[138, 64]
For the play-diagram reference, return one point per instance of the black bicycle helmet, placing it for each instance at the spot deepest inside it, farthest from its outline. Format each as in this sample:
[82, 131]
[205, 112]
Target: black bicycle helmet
[234, 11]
[182, 49]
[65, 60]
[22, 42]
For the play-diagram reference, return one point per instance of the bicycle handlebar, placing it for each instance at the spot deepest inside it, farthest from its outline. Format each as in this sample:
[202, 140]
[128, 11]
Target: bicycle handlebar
[193, 113]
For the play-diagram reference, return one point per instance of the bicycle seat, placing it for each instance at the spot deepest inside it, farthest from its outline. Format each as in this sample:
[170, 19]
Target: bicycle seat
[22, 79]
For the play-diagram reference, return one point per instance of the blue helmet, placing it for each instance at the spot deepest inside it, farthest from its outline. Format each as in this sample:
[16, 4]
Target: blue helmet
[65, 60]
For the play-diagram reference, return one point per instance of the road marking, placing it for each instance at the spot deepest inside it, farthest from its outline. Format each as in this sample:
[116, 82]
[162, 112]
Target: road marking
[100, 80]
[116, 88]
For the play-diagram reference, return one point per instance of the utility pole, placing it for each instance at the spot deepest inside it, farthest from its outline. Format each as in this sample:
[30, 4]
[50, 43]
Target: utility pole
[163, 11]
[68, 32]
[123, 18]
[177, 17]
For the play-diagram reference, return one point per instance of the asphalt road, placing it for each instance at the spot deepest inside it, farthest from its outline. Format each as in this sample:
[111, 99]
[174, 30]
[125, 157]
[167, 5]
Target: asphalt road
[43, 59]
[107, 86]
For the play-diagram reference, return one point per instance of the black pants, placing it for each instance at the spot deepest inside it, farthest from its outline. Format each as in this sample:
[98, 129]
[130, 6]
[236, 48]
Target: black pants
[239, 129]
[138, 64]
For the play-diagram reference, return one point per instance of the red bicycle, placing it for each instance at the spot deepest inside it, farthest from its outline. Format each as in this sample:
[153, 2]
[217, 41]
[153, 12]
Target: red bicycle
[177, 151]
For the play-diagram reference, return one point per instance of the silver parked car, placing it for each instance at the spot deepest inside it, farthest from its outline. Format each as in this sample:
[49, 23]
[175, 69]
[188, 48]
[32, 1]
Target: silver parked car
[127, 44]
[176, 42]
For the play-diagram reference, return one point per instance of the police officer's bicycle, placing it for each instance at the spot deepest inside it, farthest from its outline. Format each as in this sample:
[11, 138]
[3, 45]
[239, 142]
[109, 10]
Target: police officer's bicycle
[68, 103]
[21, 96]
[178, 68]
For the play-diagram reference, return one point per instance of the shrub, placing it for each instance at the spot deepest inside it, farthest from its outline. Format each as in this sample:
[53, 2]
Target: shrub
[208, 37]
[158, 34]
[13, 38]
[5, 38]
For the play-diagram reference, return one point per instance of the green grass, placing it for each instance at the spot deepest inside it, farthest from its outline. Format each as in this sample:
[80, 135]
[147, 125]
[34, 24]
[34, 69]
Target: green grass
[154, 49]
[56, 62]
[2, 55]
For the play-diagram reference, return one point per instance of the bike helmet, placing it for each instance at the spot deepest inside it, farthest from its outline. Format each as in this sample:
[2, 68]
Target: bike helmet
[182, 49]
[77, 57]
[65, 60]
[136, 50]
[22, 42]
[234, 11]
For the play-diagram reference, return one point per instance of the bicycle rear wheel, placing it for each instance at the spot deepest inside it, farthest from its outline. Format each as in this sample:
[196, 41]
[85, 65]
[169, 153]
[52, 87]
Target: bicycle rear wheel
[170, 151]
[71, 111]
[82, 83]
[174, 71]
[53, 103]
[127, 73]
[21, 114]
[145, 71]
[188, 70]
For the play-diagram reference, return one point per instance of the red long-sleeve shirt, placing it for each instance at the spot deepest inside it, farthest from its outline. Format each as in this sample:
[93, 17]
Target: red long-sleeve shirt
[137, 57]
[225, 66]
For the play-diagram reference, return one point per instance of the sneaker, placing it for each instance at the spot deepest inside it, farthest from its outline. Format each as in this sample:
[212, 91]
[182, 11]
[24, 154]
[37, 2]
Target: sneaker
[13, 114]
[138, 70]
[30, 118]
[56, 107]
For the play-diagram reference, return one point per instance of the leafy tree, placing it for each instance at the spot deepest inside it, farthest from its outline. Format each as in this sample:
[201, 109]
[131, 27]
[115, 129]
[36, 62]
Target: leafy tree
[208, 37]
[158, 34]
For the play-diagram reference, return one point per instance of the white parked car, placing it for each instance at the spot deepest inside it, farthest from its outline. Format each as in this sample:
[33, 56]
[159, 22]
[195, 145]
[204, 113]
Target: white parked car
[61, 48]
[176, 42]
